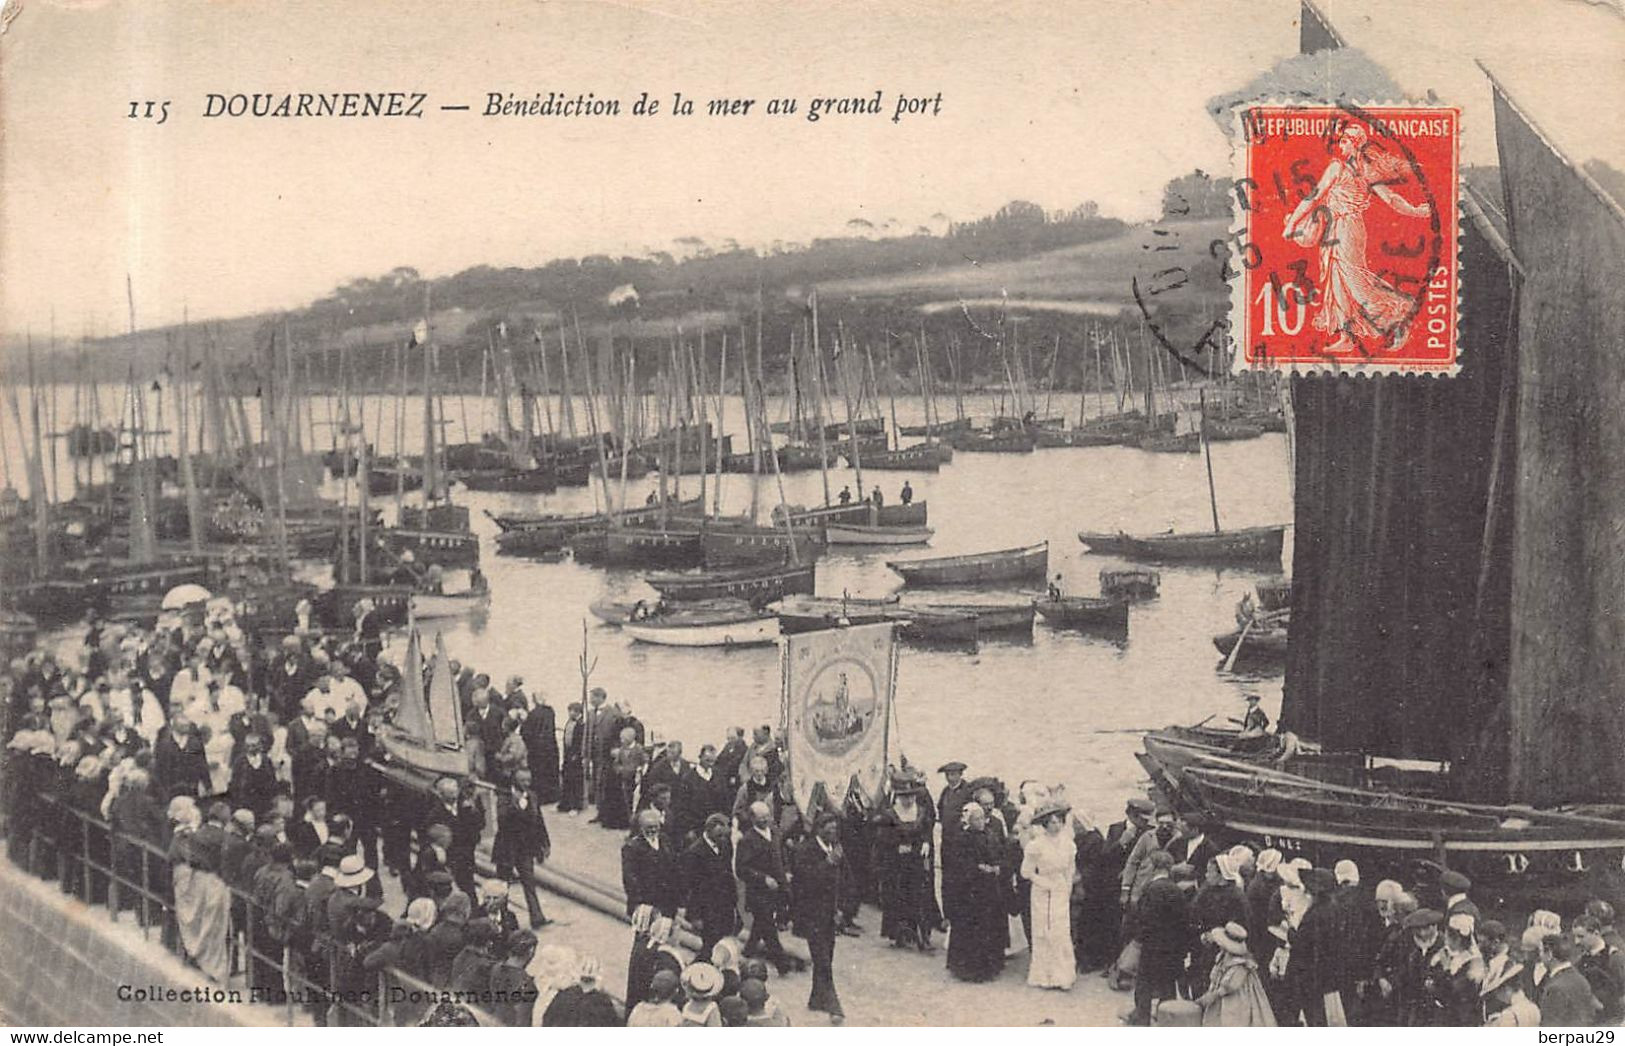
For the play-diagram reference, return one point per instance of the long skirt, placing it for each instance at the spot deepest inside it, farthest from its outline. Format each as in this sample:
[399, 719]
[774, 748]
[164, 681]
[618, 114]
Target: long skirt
[977, 939]
[203, 913]
[1052, 965]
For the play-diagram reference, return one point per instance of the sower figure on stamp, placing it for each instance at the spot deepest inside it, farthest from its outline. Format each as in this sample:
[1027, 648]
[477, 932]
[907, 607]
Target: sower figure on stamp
[1355, 304]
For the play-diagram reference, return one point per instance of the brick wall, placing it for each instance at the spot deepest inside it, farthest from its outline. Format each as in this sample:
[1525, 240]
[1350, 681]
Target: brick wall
[64, 964]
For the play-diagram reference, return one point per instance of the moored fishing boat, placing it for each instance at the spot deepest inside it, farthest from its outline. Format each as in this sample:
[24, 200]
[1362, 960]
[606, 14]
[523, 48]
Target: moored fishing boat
[1131, 583]
[1172, 443]
[566, 522]
[1072, 438]
[931, 627]
[858, 534]
[1220, 431]
[759, 584]
[1014, 441]
[1029, 563]
[990, 617]
[729, 545]
[648, 547]
[1260, 545]
[1084, 612]
[716, 629]
[1515, 855]
[939, 429]
[1263, 639]
[532, 543]
[923, 457]
[510, 480]
[429, 605]
[805, 613]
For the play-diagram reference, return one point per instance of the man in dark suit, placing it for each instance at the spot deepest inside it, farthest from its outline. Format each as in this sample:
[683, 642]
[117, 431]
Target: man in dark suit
[253, 778]
[178, 761]
[485, 723]
[353, 724]
[459, 809]
[760, 866]
[818, 863]
[1566, 999]
[710, 900]
[705, 791]
[649, 868]
[673, 771]
[521, 841]
[1162, 926]
[731, 759]
[539, 732]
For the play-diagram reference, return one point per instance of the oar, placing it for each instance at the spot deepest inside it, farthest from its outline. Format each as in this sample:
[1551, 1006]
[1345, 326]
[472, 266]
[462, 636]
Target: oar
[1230, 662]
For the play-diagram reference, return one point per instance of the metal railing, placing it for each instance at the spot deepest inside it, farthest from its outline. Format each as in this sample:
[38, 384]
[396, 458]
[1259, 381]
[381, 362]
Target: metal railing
[323, 977]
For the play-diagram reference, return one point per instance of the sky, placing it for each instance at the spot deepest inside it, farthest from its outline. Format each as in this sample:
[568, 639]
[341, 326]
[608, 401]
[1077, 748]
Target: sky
[1053, 103]
[1056, 103]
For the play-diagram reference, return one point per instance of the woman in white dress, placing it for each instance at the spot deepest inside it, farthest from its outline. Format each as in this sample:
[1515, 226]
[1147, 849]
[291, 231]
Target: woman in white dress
[1048, 861]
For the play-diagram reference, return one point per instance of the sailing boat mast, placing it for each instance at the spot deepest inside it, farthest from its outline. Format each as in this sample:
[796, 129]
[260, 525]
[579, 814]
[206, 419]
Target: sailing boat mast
[818, 401]
[842, 353]
[194, 505]
[1207, 452]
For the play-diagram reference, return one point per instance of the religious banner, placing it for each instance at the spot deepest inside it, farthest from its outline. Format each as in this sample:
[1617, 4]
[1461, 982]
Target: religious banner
[838, 688]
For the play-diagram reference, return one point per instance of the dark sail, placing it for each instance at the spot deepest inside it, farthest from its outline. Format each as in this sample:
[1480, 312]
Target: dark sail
[1567, 713]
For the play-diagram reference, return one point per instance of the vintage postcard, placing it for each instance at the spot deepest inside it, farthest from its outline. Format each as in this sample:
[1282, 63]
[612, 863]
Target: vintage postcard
[678, 513]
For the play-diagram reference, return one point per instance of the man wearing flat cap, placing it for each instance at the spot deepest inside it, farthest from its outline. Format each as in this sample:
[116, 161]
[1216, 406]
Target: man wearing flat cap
[1416, 995]
[817, 874]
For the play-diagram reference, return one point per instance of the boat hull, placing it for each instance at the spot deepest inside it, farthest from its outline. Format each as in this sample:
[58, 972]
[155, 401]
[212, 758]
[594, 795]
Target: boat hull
[1083, 613]
[911, 459]
[759, 631]
[987, 568]
[429, 605]
[990, 618]
[1257, 545]
[811, 613]
[756, 586]
[850, 534]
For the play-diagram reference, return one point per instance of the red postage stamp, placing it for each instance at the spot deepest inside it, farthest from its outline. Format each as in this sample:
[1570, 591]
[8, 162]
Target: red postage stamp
[1345, 259]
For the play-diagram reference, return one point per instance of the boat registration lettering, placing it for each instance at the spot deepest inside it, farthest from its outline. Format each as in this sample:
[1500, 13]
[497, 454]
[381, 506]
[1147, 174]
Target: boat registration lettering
[1517, 864]
[1283, 843]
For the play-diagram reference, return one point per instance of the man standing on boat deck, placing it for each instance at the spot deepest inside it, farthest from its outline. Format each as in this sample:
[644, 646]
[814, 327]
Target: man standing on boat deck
[845, 496]
[906, 496]
[876, 498]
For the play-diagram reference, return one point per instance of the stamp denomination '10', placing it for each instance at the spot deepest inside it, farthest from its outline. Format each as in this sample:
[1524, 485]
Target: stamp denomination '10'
[1344, 258]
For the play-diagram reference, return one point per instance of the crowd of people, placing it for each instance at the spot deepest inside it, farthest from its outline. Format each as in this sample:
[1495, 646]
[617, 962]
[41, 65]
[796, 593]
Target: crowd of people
[238, 777]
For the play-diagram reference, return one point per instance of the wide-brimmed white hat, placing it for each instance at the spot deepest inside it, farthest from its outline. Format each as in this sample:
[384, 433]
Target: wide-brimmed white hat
[352, 871]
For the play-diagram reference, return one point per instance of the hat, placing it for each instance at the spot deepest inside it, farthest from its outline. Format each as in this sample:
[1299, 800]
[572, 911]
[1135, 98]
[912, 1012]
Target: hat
[955, 767]
[1454, 881]
[702, 980]
[420, 913]
[1269, 861]
[1049, 808]
[1253, 698]
[664, 983]
[1461, 922]
[1138, 805]
[1422, 918]
[1319, 881]
[905, 783]
[352, 871]
[440, 877]
[1347, 873]
[490, 888]
[1232, 937]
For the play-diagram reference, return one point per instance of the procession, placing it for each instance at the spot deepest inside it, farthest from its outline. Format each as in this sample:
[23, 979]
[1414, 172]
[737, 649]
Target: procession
[785, 551]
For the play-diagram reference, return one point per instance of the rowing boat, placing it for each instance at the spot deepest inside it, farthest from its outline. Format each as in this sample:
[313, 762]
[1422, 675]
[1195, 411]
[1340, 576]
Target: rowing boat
[990, 617]
[724, 631]
[938, 626]
[803, 613]
[1260, 545]
[426, 605]
[1084, 612]
[857, 534]
[981, 568]
[1133, 583]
